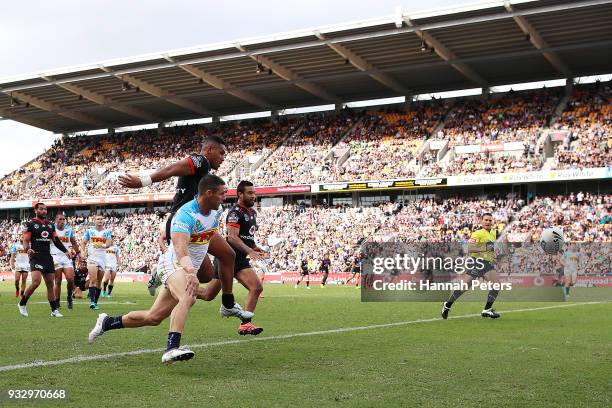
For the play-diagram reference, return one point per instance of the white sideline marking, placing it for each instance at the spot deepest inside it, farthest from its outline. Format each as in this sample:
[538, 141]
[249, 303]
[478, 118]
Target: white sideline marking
[80, 359]
[76, 303]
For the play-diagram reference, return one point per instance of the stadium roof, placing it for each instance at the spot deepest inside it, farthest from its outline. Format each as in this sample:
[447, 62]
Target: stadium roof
[487, 44]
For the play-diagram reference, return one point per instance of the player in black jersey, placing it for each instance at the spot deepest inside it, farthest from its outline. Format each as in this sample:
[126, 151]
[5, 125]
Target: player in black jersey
[324, 269]
[356, 270]
[241, 223]
[305, 273]
[37, 238]
[190, 171]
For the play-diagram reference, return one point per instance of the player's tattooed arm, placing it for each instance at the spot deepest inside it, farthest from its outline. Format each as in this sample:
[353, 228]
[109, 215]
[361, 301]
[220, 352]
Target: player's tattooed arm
[182, 167]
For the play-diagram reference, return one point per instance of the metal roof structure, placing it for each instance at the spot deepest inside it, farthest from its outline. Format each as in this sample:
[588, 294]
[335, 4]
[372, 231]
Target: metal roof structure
[487, 44]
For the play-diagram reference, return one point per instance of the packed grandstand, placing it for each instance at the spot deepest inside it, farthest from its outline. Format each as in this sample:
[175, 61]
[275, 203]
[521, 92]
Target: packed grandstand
[354, 145]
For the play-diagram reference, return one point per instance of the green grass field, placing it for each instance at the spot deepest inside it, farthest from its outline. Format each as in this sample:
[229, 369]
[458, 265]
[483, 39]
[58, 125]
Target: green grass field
[559, 356]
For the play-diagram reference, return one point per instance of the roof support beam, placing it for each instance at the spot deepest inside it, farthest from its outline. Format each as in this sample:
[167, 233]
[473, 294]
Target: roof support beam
[289, 75]
[220, 84]
[538, 42]
[363, 65]
[447, 55]
[7, 115]
[108, 102]
[158, 92]
[51, 107]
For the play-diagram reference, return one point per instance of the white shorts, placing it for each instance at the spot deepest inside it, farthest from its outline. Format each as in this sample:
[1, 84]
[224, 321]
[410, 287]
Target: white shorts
[22, 268]
[572, 273]
[111, 268]
[97, 260]
[166, 268]
[61, 261]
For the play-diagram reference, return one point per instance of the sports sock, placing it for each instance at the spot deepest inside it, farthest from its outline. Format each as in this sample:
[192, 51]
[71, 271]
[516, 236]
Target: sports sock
[52, 304]
[110, 289]
[112, 323]
[17, 285]
[174, 340]
[24, 300]
[245, 320]
[69, 295]
[491, 298]
[227, 299]
[98, 292]
[105, 286]
[92, 294]
[453, 297]
[307, 283]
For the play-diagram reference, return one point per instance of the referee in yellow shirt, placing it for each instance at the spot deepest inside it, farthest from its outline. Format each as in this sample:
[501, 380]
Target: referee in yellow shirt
[481, 245]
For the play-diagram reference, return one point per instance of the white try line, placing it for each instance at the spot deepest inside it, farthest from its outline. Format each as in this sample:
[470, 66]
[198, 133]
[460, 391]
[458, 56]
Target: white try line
[76, 303]
[81, 359]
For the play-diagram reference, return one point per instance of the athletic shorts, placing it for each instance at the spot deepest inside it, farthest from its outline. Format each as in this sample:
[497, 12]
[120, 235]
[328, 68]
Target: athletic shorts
[22, 268]
[98, 260]
[42, 264]
[572, 273]
[79, 279]
[111, 268]
[241, 263]
[62, 261]
[305, 272]
[480, 272]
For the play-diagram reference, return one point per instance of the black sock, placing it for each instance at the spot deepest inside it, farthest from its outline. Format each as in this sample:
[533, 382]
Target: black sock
[307, 283]
[244, 320]
[105, 285]
[227, 299]
[52, 304]
[110, 289]
[24, 300]
[69, 296]
[92, 294]
[491, 298]
[98, 293]
[57, 303]
[16, 286]
[453, 297]
[22, 292]
[112, 323]
[174, 340]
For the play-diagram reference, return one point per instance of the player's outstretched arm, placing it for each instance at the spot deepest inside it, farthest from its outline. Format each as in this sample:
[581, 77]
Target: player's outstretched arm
[182, 167]
[233, 237]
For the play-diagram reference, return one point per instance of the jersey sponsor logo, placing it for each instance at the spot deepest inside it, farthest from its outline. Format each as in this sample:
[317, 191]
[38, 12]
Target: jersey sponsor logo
[44, 234]
[252, 230]
[22, 251]
[64, 238]
[203, 238]
[233, 218]
[197, 161]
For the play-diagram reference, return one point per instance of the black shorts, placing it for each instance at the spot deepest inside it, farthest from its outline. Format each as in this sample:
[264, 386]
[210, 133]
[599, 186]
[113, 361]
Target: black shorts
[305, 272]
[242, 262]
[477, 272]
[79, 280]
[168, 225]
[42, 264]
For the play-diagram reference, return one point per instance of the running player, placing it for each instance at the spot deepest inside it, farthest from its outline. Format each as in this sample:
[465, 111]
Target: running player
[162, 241]
[193, 228]
[305, 273]
[96, 240]
[20, 263]
[64, 265]
[356, 269]
[324, 269]
[241, 223]
[189, 172]
[569, 260]
[37, 238]
[480, 246]
[112, 263]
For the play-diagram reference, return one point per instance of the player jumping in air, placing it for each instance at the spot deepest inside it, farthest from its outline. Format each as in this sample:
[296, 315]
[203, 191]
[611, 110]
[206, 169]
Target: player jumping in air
[112, 264]
[193, 228]
[64, 265]
[190, 171]
[37, 238]
[98, 239]
[20, 263]
[481, 246]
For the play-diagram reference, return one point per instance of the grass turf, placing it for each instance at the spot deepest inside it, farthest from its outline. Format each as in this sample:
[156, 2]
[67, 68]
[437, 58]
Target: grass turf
[546, 358]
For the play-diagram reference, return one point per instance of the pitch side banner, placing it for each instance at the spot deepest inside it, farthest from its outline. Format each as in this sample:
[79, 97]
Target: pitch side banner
[384, 185]
[531, 176]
